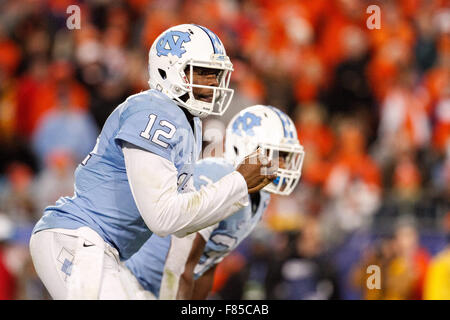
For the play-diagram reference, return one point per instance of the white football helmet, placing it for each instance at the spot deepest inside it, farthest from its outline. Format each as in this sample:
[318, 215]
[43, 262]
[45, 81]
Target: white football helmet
[274, 132]
[194, 46]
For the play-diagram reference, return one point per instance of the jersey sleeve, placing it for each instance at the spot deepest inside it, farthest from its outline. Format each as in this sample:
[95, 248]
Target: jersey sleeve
[151, 131]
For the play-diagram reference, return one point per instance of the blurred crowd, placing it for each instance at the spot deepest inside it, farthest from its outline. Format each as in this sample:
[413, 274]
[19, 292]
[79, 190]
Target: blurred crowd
[371, 106]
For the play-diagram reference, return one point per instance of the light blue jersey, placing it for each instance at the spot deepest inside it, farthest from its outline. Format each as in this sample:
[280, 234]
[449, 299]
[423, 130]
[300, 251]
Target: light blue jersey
[103, 200]
[148, 263]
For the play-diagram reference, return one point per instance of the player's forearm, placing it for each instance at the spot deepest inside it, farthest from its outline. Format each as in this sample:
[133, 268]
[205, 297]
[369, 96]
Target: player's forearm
[178, 278]
[203, 285]
[209, 205]
[185, 213]
[165, 210]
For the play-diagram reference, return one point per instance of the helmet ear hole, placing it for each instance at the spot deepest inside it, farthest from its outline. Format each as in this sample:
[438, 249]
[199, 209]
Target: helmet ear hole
[236, 150]
[162, 73]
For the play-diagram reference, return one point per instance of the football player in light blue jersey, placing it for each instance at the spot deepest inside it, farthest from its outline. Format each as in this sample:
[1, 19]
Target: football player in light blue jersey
[171, 268]
[137, 179]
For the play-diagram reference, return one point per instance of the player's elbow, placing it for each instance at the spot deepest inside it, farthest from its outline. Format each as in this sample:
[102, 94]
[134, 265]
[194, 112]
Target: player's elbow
[188, 276]
[158, 227]
[161, 233]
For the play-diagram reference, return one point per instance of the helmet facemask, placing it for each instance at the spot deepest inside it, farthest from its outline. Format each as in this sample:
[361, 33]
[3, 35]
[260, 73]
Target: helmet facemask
[220, 95]
[289, 170]
[288, 175]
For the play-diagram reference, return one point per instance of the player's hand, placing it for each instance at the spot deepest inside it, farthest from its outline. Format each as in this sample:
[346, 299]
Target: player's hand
[257, 171]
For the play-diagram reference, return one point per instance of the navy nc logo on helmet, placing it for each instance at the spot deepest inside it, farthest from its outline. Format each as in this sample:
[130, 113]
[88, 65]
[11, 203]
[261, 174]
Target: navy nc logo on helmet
[246, 122]
[172, 42]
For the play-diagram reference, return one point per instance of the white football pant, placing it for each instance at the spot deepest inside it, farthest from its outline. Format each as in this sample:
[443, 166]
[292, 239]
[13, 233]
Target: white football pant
[79, 264]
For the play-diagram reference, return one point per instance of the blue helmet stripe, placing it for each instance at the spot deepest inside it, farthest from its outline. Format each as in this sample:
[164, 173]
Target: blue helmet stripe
[283, 123]
[215, 41]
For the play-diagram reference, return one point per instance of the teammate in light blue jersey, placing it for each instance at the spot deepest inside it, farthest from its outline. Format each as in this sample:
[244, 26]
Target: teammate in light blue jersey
[137, 179]
[163, 259]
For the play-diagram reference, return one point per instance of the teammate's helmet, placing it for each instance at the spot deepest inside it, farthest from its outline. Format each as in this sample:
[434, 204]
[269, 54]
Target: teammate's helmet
[190, 45]
[274, 132]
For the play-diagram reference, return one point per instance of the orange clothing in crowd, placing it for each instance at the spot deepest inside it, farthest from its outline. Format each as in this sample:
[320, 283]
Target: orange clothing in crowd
[319, 142]
[359, 166]
[7, 110]
[155, 24]
[421, 262]
[231, 264]
[315, 171]
[381, 72]
[441, 136]
[331, 44]
[10, 55]
[309, 74]
[436, 80]
[353, 157]
[400, 31]
[407, 175]
[318, 136]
